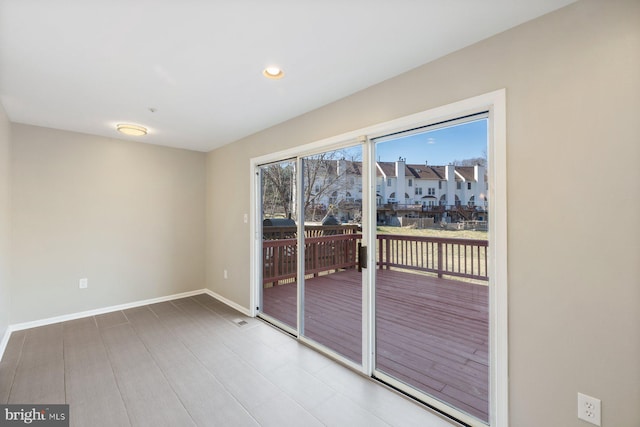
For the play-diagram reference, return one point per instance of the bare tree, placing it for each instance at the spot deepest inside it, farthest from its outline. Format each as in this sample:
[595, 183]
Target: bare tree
[480, 161]
[278, 193]
[326, 176]
[320, 176]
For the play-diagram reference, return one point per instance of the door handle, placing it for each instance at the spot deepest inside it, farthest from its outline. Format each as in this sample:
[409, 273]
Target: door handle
[362, 257]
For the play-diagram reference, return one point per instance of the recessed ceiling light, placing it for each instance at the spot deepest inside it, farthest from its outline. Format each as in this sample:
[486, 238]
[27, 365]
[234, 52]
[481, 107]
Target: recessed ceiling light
[273, 73]
[133, 130]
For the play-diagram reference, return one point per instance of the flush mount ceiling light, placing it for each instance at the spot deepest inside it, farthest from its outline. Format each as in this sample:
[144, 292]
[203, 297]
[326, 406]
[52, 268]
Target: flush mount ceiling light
[133, 130]
[273, 73]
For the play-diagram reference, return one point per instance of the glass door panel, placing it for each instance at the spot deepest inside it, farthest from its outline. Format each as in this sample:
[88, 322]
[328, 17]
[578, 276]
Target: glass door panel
[431, 281]
[332, 209]
[279, 242]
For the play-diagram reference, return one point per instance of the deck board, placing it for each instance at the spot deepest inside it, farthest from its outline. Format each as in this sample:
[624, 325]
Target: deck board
[432, 333]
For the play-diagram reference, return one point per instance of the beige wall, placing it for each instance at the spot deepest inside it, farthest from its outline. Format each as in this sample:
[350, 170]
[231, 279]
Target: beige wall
[128, 216]
[573, 102]
[5, 214]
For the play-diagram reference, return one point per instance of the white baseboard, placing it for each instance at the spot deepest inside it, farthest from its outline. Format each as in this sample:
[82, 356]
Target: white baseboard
[95, 312]
[5, 341]
[241, 309]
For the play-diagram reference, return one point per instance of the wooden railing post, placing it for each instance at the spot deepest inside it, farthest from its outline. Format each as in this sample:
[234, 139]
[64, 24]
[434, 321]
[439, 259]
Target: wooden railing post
[276, 263]
[313, 257]
[440, 259]
[387, 256]
[354, 254]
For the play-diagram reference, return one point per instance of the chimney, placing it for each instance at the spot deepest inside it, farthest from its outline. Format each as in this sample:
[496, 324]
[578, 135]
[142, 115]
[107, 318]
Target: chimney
[400, 180]
[450, 187]
[400, 168]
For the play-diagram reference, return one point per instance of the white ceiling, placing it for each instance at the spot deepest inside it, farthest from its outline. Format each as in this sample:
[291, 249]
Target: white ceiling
[86, 65]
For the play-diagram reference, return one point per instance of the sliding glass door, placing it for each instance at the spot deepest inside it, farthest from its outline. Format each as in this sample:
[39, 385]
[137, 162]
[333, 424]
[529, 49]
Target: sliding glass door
[311, 241]
[279, 249]
[431, 282]
[332, 212]
[414, 310]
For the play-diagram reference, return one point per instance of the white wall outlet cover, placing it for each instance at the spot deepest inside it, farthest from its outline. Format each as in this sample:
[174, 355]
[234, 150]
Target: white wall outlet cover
[246, 218]
[589, 409]
[84, 282]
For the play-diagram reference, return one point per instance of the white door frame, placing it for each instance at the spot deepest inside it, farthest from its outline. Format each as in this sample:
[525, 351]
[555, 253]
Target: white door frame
[495, 103]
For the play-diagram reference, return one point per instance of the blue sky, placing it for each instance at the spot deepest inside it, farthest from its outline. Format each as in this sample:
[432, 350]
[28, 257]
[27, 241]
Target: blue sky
[438, 147]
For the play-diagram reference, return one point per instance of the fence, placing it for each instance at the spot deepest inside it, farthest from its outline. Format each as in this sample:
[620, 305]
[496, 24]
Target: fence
[445, 257]
[452, 257]
[323, 253]
[416, 222]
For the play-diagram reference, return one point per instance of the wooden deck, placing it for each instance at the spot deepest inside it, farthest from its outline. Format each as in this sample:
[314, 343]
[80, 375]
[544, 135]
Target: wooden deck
[432, 333]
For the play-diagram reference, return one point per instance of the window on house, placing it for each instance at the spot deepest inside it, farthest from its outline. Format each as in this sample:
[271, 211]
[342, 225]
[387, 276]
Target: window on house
[459, 185]
[388, 182]
[468, 186]
[432, 191]
[349, 197]
[410, 182]
[334, 198]
[439, 185]
[418, 191]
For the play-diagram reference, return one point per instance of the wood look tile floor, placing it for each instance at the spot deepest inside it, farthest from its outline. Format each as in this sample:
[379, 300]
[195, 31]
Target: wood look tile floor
[185, 363]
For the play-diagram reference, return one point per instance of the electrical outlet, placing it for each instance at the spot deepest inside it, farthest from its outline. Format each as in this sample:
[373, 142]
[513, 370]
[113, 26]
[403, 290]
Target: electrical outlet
[225, 274]
[84, 282]
[589, 409]
[246, 218]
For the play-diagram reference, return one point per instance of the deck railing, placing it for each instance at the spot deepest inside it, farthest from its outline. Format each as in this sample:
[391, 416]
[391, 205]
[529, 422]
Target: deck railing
[322, 253]
[290, 232]
[443, 256]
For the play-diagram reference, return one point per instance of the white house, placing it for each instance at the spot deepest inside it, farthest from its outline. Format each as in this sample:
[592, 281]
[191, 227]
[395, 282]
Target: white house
[405, 190]
[410, 184]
